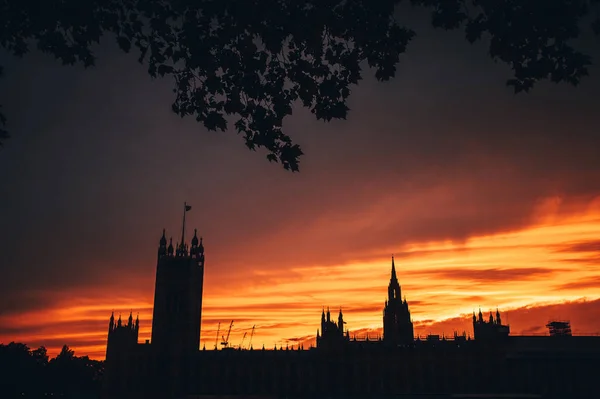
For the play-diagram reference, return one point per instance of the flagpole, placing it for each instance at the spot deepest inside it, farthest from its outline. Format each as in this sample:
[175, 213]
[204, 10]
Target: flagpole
[183, 227]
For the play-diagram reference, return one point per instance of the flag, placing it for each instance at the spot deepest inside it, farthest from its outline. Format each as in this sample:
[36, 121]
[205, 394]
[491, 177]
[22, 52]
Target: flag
[188, 207]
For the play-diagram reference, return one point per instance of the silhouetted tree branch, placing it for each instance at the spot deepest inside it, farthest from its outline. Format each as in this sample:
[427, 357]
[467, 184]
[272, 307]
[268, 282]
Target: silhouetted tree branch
[253, 59]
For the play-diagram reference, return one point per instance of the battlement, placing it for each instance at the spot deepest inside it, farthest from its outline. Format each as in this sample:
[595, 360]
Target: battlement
[195, 250]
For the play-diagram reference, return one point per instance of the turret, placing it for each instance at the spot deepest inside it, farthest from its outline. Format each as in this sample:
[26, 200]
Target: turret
[162, 245]
[195, 239]
[341, 322]
[130, 320]
[119, 321]
[498, 320]
[111, 323]
[170, 250]
[197, 249]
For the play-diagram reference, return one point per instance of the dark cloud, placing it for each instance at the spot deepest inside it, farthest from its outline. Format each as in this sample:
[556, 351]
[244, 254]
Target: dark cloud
[581, 246]
[25, 301]
[489, 275]
[589, 262]
[588, 282]
[48, 328]
[256, 307]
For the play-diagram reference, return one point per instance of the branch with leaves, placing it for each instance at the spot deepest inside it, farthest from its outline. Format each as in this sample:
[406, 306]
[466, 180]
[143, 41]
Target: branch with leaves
[250, 60]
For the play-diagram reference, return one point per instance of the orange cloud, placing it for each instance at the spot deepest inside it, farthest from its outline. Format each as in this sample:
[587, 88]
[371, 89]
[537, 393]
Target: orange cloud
[531, 274]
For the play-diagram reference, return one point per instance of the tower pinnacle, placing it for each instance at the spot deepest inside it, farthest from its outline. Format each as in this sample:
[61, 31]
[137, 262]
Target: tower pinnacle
[393, 277]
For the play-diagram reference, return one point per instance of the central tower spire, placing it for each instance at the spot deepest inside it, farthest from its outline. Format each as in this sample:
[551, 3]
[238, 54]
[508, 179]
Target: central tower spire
[397, 325]
[394, 286]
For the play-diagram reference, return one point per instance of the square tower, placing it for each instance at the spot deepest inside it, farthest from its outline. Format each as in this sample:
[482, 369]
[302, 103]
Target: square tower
[178, 297]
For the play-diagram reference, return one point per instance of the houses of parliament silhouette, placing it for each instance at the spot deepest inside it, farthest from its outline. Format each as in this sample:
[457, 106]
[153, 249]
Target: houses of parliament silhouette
[492, 362]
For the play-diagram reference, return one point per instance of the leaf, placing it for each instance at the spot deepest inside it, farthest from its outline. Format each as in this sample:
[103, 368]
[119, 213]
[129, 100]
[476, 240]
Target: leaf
[214, 120]
[124, 43]
[164, 69]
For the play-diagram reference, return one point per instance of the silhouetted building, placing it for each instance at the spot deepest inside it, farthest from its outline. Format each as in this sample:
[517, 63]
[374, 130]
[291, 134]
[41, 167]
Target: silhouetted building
[490, 331]
[172, 366]
[397, 325]
[332, 335]
[178, 296]
[122, 338]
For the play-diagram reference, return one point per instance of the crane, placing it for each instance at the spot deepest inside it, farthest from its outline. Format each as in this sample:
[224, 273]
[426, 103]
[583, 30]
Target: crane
[217, 338]
[243, 338]
[251, 335]
[225, 342]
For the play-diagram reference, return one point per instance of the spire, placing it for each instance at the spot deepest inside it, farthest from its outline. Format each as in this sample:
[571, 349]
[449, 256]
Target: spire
[111, 323]
[394, 291]
[393, 277]
[163, 240]
[130, 320]
[137, 321]
[119, 321]
[170, 249]
[195, 239]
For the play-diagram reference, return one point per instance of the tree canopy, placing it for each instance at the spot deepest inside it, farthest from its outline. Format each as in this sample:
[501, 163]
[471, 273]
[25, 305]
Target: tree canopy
[27, 372]
[250, 60]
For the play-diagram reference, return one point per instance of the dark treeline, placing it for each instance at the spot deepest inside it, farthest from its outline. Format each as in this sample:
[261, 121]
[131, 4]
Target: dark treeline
[29, 373]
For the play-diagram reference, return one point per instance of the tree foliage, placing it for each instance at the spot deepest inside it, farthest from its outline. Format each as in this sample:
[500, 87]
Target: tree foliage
[250, 60]
[29, 373]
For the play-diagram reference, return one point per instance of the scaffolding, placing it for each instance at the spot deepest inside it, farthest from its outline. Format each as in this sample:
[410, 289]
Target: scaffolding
[559, 328]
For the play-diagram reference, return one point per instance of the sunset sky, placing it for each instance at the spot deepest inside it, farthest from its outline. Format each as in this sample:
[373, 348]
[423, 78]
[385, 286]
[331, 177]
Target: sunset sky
[485, 198]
